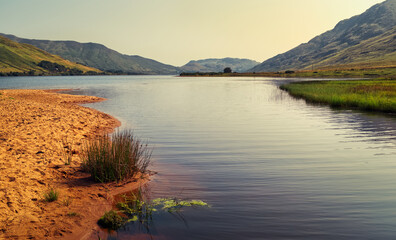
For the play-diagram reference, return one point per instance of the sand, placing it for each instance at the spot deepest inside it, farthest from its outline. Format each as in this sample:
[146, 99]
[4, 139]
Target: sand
[37, 128]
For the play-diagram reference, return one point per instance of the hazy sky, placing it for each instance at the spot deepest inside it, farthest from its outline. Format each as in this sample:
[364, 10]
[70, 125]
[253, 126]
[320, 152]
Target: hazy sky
[176, 31]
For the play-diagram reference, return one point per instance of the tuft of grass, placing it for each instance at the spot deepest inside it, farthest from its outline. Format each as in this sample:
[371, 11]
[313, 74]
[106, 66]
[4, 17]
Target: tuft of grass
[72, 214]
[51, 195]
[111, 220]
[368, 95]
[115, 158]
[67, 150]
[66, 202]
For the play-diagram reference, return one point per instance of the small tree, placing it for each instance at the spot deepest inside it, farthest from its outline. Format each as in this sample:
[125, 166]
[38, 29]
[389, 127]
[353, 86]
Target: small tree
[227, 70]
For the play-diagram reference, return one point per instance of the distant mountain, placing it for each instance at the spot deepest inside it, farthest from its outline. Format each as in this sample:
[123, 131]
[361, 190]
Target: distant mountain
[348, 33]
[218, 65]
[98, 56]
[26, 59]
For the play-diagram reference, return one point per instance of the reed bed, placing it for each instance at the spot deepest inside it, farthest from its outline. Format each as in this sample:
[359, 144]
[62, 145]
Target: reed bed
[368, 95]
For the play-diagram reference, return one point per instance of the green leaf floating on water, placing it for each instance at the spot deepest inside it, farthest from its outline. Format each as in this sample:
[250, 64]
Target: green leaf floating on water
[133, 219]
[173, 204]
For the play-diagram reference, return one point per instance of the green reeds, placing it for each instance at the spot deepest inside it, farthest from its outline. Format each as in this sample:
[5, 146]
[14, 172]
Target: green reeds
[115, 158]
[368, 95]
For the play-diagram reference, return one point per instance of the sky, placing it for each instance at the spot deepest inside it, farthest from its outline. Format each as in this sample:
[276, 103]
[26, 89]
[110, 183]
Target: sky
[177, 31]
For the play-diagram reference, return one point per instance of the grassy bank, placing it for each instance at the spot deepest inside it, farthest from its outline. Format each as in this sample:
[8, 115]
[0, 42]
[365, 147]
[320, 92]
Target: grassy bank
[340, 72]
[368, 95]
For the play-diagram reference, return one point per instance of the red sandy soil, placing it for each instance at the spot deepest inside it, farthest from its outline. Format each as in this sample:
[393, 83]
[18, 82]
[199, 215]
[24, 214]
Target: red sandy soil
[36, 128]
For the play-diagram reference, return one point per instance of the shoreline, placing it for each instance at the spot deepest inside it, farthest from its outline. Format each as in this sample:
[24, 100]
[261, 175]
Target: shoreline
[36, 126]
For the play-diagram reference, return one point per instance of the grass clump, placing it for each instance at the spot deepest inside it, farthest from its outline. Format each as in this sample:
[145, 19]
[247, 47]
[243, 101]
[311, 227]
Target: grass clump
[67, 201]
[368, 95]
[111, 220]
[67, 150]
[51, 195]
[72, 214]
[115, 158]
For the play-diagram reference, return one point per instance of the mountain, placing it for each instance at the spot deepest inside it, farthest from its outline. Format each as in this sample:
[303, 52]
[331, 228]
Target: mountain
[98, 56]
[20, 58]
[376, 51]
[348, 33]
[218, 65]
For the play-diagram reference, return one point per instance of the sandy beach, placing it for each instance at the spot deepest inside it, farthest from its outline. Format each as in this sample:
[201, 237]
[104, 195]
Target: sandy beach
[36, 128]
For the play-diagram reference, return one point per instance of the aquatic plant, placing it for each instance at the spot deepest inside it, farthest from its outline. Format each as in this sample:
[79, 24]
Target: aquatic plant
[115, 158]
[135, 209]
[51, 195]
[174, 204]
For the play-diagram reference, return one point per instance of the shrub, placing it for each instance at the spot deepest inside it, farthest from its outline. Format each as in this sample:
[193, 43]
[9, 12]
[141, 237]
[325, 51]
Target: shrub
[115, 158]
[227, 70]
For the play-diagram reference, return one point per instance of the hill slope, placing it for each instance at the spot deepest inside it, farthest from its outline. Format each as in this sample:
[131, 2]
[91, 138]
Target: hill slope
[98, 56]
[376, 51]
[218, 65]
[375, 21]
[19, 58]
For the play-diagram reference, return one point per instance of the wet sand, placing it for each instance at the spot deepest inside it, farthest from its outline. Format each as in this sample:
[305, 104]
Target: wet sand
[37, 128]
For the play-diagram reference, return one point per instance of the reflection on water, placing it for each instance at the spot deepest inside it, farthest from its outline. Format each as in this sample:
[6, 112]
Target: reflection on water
[271, 166]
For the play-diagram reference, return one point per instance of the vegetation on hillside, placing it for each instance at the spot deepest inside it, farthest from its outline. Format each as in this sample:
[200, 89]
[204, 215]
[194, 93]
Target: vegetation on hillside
[23, 59]
[368, 95]
[374, 52]
[348, 33]
[100, 57]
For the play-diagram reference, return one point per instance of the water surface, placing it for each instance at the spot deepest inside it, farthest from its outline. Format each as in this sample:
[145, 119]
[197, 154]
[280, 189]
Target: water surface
[271, 167]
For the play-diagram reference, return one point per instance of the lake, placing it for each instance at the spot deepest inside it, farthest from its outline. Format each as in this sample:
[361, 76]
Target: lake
[270, 166]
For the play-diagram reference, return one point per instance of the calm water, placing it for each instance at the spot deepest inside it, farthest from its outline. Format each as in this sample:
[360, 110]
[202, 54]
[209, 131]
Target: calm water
[271, 167]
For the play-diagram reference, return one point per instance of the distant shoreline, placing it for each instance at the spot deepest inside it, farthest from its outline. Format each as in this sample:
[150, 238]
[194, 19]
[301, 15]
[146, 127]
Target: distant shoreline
[342, 72]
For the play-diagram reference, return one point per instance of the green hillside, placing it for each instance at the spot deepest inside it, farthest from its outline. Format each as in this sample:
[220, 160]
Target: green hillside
[376, 21]
[25, 58]
[375, 52]
[99, 56]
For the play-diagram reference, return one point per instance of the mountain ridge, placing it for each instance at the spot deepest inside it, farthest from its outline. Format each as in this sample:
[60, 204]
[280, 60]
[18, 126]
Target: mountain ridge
[19, 58]
[218, 65]
[99, 56]
[347, 33]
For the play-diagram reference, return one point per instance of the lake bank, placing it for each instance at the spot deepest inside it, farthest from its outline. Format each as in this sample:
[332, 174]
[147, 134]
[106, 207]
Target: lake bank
[37, 129]
[340, 72]
[367, 95]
